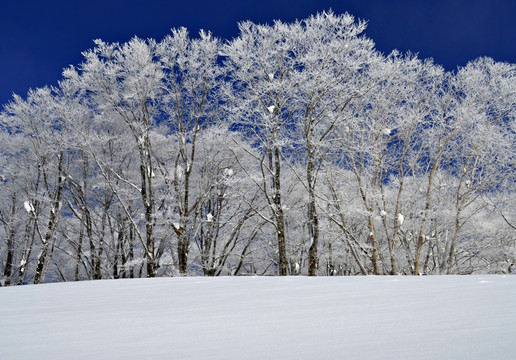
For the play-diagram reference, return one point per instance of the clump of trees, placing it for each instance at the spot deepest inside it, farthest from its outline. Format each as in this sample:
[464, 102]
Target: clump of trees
[295, 148]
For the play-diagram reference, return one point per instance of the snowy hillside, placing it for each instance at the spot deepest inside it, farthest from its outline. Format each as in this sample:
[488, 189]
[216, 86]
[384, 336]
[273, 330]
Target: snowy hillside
[447, 317]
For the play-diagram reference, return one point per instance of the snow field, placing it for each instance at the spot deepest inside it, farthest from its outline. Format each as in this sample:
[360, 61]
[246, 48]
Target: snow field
[434, 317]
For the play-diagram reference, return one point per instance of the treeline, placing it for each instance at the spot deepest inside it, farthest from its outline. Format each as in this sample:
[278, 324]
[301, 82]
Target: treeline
[295, 148]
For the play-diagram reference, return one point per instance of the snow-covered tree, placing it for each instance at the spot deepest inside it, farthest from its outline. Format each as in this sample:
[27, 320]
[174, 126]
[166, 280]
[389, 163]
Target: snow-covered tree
[293, 148]
[189, 106]
[261, 101]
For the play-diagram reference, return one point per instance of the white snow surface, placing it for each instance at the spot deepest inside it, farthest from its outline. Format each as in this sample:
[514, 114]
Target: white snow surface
[429, 317]
[28, 206]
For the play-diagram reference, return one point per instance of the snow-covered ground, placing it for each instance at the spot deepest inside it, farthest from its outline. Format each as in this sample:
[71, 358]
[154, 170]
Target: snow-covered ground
[446, 317]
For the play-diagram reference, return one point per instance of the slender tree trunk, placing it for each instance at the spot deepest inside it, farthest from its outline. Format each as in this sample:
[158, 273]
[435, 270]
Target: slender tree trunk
[147, 200]
[10, 245]
[131, 250]
[79, 249]
[450, 253]
[313, 220]
[280, 217]
[30, 235]
[314, 238]
[421, 234]
[342, 226]
[52, 224]
[372, 239]
[182, 249]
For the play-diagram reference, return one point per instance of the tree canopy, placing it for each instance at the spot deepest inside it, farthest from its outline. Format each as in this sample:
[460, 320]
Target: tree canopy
[294, 148]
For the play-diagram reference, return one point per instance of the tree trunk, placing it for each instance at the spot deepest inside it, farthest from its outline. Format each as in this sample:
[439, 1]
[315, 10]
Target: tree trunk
[10, 245]
[372, 238]
[420, 237]
[52, 224]
[313, 220]
[280, 217]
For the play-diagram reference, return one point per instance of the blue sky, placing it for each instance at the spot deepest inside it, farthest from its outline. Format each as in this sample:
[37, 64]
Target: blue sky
[38, 38]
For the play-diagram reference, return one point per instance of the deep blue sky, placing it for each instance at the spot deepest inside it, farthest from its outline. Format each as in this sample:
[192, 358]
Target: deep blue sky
[38, 38]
